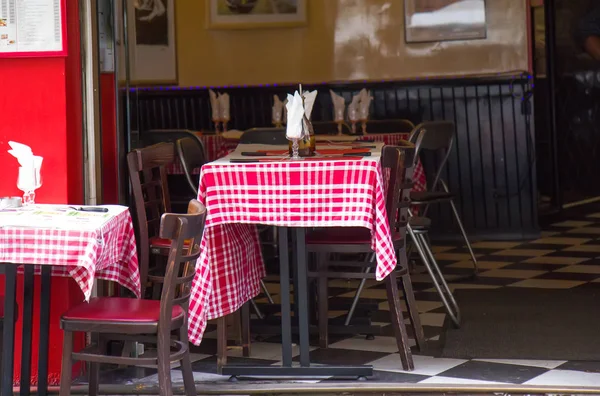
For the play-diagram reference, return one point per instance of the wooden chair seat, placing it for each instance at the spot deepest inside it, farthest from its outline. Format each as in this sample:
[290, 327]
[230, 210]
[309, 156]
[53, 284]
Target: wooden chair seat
[160, 243]
[119, 309]
[343, 235]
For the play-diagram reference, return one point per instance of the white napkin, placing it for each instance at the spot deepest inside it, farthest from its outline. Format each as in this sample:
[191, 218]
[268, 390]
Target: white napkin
[214, 105]
[364, 104]
[353, 108]
[338, 106]
[224, 106]
[295, 116]
[31, 165]
[309, 102]
[277, 111]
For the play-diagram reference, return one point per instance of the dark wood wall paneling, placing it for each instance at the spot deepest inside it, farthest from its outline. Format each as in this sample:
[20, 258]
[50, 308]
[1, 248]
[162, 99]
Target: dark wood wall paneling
[492, 168]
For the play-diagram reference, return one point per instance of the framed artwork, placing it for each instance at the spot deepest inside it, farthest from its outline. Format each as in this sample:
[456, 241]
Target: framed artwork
[444, 20]
[253, 14]
[152, 46]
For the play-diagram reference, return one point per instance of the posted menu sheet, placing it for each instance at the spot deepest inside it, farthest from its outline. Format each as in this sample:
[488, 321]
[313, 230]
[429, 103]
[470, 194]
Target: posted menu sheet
[30, 26]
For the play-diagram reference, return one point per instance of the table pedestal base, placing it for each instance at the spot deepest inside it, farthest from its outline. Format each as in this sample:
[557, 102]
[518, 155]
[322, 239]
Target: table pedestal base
[301, 297]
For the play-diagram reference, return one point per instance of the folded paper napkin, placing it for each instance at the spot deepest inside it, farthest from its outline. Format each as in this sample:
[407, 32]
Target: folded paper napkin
[364, 104]
[224, 106]
[309, 102]
[353, 108]
[277, 111]
[339, 105]
[31, 165]
[214, 105]
[295, 116]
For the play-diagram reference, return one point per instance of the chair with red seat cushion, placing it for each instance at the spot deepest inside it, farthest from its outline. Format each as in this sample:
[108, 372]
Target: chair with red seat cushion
[117, 318]
[397, 167]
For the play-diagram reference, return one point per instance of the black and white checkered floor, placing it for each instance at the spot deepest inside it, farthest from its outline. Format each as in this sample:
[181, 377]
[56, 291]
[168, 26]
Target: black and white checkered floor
[566, 256]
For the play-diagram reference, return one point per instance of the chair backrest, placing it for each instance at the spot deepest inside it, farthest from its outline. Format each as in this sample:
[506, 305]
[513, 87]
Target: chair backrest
[192, 156]
[148, 177]
[264, 136]
[185, 233]
[436, 138]
[397, 165]
[155, 136]
[390, 126]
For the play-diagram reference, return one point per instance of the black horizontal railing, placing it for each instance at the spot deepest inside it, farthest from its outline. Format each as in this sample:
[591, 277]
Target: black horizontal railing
[492, 167]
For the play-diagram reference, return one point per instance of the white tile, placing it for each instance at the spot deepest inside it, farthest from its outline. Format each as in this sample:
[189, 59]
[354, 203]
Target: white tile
[581, 269]
[566, 378]
[456, 381]
[547, 364]
[456, 286]
[424, 365]
[547, 283]
[360, 343]
[432, 319]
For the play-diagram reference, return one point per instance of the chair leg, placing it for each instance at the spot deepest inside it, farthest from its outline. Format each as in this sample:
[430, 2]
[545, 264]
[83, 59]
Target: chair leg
[361, 286]
[245, 330]
[413, 311]
[462, 229]
[186, 364]
[221, 343]
[398, 322]
[323, 294]
[94, 376]
[163, 349]
[434, 272]
[266, 291]
[67, 364]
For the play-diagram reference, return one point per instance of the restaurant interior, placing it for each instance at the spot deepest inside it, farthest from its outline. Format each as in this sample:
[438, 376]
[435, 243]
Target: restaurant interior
[302, 196]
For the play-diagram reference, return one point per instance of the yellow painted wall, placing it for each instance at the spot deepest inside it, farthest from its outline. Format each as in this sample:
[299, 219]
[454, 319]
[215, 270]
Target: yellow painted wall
[345, 40]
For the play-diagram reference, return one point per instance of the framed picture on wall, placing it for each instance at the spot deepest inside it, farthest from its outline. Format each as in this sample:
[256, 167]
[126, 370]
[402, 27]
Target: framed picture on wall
[151, 41]
[444, 20]
[255, 14]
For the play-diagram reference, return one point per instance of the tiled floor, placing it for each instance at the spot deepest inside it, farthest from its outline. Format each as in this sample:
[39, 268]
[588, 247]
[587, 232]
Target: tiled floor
[566, 256]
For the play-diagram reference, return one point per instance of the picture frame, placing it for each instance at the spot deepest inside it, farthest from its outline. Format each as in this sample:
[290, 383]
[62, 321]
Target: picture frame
[256, 14]
[152, 44]
[444, 20]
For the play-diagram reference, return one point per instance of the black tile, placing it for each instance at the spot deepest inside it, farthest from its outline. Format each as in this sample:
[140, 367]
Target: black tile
[564, 253]
[388, 377]
[486, 371]
[587, 366]
[209, 365]
[534, 266]
[541, 246]
[343, 356]
[568, 276]
[503, 258]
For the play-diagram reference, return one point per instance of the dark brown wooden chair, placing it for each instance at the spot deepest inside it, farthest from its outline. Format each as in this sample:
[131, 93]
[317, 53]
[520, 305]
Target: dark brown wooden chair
[397, 167]
[389, 126]
[117, 318]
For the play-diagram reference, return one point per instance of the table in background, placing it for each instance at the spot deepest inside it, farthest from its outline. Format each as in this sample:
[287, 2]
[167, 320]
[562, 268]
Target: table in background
[217, 146]
[44, 240]
[283, 193]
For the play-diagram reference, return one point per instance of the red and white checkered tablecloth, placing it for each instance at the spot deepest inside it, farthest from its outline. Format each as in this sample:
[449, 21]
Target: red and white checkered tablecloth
[324, 193]
[85, 254]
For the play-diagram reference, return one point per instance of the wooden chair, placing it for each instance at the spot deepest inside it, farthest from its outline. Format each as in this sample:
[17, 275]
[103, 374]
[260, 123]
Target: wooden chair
[397, 167]
[264, 136]
[117, 318]
[389, 126]
[192, 156]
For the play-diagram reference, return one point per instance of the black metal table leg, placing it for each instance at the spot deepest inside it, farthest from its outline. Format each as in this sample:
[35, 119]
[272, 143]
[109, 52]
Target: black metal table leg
[284, 282]
[8, 345]
[301, 279]
[27, 330]
[44, 331]
[302, 296]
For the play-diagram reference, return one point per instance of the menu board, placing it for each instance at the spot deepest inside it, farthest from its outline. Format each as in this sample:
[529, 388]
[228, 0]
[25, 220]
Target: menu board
[32, 28]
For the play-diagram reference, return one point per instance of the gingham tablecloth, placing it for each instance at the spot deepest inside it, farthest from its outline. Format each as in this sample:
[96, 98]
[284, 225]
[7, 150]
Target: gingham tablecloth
[324, 193]
[83, 252]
